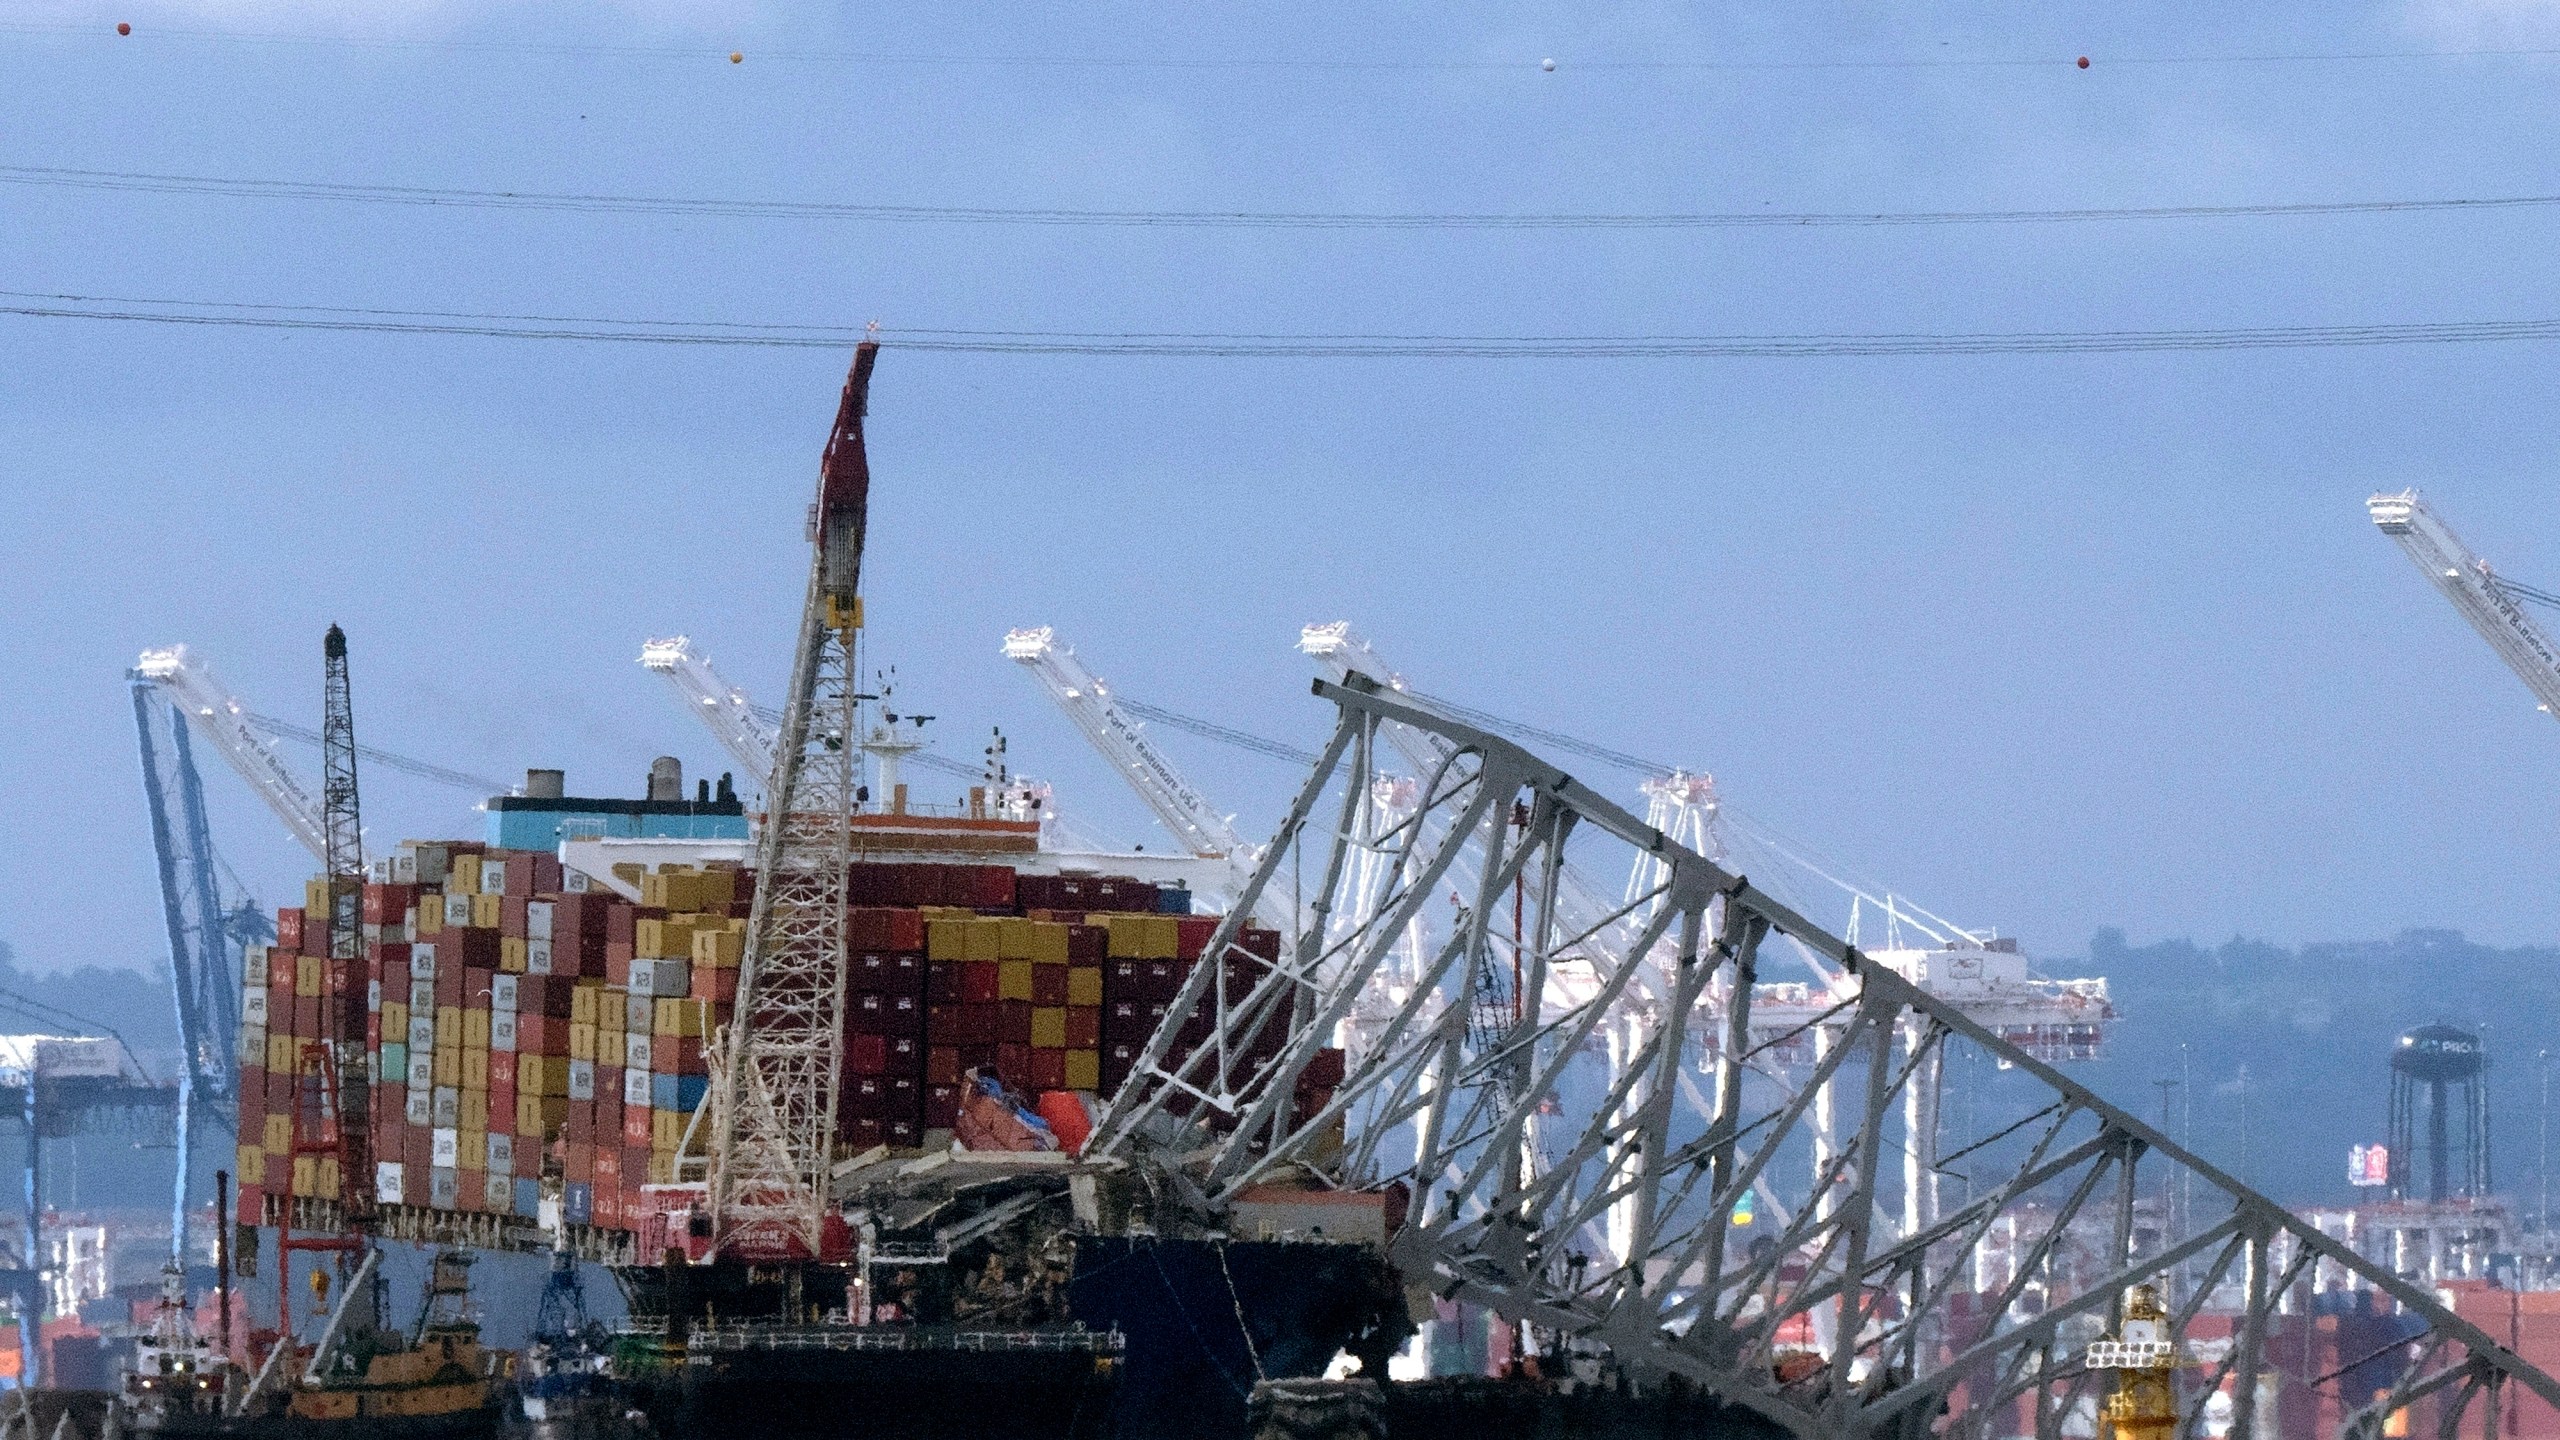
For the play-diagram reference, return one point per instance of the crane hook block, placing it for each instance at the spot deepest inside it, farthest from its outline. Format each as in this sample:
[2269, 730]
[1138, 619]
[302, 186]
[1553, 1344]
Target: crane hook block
[844, 615]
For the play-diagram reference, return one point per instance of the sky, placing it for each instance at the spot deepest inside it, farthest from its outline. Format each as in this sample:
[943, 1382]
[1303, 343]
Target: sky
[2049, 642]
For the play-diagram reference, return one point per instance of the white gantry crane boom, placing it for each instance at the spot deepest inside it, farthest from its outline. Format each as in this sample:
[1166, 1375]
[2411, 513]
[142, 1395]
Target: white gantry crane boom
[1086, 699]
[222, 720]
[2492, 605]
[717, 703]
[782, 1063]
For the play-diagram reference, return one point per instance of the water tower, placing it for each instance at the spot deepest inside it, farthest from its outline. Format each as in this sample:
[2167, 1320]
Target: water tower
[2439, 1077]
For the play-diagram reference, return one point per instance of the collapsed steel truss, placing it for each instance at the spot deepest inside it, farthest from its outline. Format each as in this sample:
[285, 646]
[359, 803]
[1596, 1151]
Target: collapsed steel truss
[1485, 1084]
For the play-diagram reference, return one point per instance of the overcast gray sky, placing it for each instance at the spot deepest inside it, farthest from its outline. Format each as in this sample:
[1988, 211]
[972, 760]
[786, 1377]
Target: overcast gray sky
[2050, 642]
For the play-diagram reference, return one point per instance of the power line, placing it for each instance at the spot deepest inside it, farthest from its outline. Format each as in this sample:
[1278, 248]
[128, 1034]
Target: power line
[1220, 345]
[589, 204]
[1521, 64]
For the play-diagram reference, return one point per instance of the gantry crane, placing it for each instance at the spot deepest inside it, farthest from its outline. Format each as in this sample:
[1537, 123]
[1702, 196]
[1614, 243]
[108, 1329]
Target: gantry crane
[733, 719]
[2492, 603]
[774, 1098]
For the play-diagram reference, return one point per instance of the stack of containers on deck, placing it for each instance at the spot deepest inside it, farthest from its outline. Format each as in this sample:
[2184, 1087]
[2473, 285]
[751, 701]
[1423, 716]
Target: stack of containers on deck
[519, 1013]
[513, 1010]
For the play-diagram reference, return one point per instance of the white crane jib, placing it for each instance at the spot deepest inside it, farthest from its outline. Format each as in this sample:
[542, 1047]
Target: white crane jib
[221, 719]
[2488, 602]
[717, 703]
[1086, 699]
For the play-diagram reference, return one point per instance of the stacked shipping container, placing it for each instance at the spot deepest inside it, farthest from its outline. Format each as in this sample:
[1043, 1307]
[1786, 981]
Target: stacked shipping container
[518, 1012]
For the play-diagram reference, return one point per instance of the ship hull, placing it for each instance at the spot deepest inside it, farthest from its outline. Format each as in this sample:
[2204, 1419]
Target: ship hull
[903, 1394]
[1205, 1319]
[478, 1423]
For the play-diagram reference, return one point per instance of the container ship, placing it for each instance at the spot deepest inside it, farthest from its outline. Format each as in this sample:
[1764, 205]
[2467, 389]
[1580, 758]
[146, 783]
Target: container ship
[539, 1002]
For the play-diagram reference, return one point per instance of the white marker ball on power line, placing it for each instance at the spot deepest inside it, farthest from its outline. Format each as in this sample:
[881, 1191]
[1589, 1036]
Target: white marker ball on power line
[1546, 64]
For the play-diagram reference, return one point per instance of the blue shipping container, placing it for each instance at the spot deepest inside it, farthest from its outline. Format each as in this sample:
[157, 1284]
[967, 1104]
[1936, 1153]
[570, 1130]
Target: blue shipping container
[528, 1197]
[578, 1202]
[662, 1092]
[1172, 900]
[689, 1092]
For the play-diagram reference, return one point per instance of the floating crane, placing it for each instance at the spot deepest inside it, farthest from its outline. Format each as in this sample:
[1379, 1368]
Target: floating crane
[2492, 603]
[774, 1096]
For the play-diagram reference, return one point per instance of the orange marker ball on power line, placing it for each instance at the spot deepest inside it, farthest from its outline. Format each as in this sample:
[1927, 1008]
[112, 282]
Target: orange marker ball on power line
[737, 57]
[123, 28]
[2084, 62]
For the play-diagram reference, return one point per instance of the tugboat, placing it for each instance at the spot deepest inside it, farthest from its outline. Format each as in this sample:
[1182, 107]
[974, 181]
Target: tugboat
[359, 1383]
[176, 1375]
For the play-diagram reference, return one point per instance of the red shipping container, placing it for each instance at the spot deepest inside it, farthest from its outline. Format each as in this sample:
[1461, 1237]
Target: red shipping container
[553, 995]
[991, 887]
[580, 915]
[1191, 935]
[888, 972]
[541, 1035]
[418, 1149]
[904, 1134]
[386, 904]
[315, 934]
[863, 1132]
[1048, 984]
[941, 1104]
[1047, 1070]
[373, 1030]
[866, 1055]
[1084, 1027]
[1263, 943]
[1013, 1022]
[942, 1065]
[469, 946]
[580, 1126]
[960, 1024]
[621, 923]
[637, 1121]
[532, 872]
[306, 1017]
[881, 928]
[1013, 1064]
[502, 1069]
[718, 986]
[1124, 979]
[578, 1162]
[1088, 944]
[865, 1013]
[942, 985]
[676, 1055]
[981, 981]
[608, 1168]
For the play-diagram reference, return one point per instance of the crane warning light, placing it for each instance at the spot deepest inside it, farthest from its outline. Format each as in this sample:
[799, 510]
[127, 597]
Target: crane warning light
[124, 27]
[2084, 62]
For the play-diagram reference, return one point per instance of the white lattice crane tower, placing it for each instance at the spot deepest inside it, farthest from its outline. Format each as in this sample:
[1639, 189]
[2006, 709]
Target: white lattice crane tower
[774, 1116]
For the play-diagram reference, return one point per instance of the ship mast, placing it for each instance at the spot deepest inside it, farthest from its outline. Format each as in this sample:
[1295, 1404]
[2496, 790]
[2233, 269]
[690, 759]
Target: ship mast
[774, 1099]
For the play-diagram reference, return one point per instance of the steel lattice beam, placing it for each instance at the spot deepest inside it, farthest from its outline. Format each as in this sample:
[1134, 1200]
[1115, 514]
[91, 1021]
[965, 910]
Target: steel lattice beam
[1864, 1314]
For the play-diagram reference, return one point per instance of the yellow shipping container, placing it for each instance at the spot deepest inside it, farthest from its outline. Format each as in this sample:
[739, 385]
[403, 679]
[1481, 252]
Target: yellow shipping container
[315, 896]
[531, 1074]
[666, 1127]
[448, 1067]
[582, 1041]
[540, 1115]
[528, 1112]
[448, 1027]
[719, 887]
[462, 875]
[1013, 938]
[582, 1005]
[511, 955]
[430, 915]
[306, 1175]
[1128, 938]
[662, 1167]
[1048, 941]
[395, 1021]
[1084, 985]
[1084, 1069]
[1013, 980]
[486, 910]
[475, 1070]
[985, 939]
[946, 940]
[279, 1136]
[719, 949]
[473, 1146]
[474, 1110]
[653, 890]
[250, 1167]
[1048, 1028]
[1164, 937]
[475, 1030]
[677, 1018]
[307, 975]
[280, 1054]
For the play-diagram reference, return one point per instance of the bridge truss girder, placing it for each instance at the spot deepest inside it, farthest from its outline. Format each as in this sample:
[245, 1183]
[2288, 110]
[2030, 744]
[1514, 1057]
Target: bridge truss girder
[1476, 1092]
